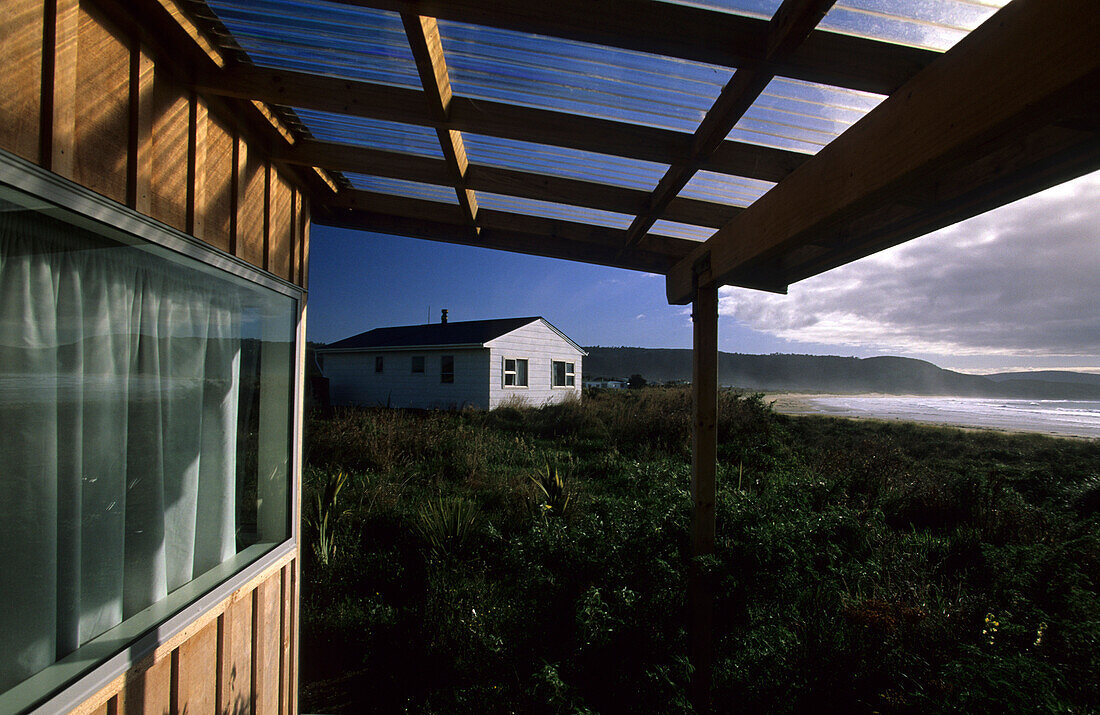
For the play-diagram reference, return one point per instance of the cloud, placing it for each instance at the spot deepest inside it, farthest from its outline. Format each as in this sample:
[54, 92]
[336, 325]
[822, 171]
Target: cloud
[639, 316]
[1021, 280]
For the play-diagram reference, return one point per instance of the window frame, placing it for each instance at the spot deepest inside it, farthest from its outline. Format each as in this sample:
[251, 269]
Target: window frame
[514, 372]
[70, 681]
[444, 373]
[570, 375]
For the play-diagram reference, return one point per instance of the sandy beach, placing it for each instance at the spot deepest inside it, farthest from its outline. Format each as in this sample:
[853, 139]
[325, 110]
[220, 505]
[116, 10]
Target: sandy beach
[1059, 418]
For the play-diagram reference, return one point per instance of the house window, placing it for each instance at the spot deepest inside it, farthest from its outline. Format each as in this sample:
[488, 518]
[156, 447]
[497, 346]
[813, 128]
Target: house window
[563, 374]
[447, 369]
[378, 363]
[143, 393]
[418, 364]
[515, 372]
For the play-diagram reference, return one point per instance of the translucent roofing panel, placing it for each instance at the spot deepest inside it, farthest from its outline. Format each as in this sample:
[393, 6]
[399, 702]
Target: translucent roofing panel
[932, 24]
[321, 37]
[549, 209]
[400, 187]
[725, 189]
[578, 77]
[560, 161]
[681, 230]
[763, 9]
[373, 133]
[802, 116]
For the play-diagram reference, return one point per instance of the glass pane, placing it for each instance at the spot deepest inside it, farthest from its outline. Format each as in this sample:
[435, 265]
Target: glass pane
[577, 77]
[333, 39]
[763, 9]
[559, 374]
[142, 394]
[373, 133]
[521, 373]
[400, 187]
[932, 24]
[564, 162]
[549, 209]
[802, 116]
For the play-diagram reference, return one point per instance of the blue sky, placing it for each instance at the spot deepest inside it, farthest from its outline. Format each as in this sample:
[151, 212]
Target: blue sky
[1016, 288]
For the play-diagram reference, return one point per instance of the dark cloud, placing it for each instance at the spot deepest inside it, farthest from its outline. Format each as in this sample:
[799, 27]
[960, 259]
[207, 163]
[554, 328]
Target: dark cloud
[1022, 280]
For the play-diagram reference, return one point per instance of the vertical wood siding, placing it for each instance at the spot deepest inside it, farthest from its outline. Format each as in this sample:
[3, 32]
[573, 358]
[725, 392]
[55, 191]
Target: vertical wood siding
[89, 102]
[237, 658]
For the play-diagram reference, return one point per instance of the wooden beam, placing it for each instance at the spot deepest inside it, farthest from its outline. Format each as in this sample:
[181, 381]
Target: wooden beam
[496, 119]
[963, 105]
[787, 29]
[704, 461]
[556, 239]
[542, 187]
[427, 49]
[685, 32]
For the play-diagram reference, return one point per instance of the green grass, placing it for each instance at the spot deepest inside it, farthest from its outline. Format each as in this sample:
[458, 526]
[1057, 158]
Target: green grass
[855, 565]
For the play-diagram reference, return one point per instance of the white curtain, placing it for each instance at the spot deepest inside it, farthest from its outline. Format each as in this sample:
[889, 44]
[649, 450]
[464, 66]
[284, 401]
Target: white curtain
[119, 386]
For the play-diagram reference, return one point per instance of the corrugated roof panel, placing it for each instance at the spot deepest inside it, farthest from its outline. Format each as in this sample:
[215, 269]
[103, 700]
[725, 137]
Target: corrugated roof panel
[548, 209]
[725, 189]
[400, 187]
[561, 161]
[321, 37]
[578, 77]
[681, 230]
[763, 9]
[802, 116]
[373, 133]
[931, 24]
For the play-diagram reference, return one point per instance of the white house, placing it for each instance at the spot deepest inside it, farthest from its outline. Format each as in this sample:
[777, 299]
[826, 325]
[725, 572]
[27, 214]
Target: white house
[477, 363]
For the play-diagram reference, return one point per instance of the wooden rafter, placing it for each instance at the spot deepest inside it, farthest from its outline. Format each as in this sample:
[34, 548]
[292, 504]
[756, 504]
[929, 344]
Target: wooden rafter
[496, 119]
[685, 32]
[962, 137]
[509, 182]
[788, 28]
[427, 50]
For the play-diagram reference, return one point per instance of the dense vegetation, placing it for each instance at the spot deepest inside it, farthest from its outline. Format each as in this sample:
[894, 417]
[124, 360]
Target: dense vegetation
[534, 560]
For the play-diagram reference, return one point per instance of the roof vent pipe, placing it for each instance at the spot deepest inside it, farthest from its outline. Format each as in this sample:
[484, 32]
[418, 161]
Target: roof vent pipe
[443, 319]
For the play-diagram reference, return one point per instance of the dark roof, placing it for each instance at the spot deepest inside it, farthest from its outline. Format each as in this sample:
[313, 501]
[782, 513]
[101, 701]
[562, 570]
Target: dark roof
[470, 332]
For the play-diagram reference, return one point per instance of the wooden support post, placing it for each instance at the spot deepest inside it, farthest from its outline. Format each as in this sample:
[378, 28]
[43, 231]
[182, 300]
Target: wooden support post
[704, 453]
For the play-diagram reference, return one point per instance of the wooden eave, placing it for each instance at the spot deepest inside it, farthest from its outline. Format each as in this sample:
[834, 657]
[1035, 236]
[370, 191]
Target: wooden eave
[1009, 111]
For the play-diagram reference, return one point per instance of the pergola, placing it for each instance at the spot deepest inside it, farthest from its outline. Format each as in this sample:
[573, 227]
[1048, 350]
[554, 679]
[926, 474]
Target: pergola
[740, 142]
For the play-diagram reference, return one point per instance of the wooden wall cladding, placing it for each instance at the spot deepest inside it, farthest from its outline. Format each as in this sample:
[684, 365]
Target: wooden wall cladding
[87, 101]
[21, 58]
[236, 658]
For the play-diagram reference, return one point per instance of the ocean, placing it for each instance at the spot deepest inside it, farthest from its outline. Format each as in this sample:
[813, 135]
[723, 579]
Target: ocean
[1076, 418]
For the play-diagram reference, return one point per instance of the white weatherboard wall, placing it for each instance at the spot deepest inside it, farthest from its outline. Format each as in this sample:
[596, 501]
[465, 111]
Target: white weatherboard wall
[353, 381]
[539, 345]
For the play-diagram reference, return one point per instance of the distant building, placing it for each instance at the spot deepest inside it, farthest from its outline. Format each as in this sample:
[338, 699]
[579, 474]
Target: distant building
[606, 384]
[476, 363]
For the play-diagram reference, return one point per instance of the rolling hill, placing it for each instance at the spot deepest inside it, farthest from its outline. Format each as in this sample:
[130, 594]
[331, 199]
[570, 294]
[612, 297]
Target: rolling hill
[832, 374]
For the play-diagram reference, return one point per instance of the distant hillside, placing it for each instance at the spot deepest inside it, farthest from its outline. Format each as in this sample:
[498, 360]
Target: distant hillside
[1076, 378]
[815, 373]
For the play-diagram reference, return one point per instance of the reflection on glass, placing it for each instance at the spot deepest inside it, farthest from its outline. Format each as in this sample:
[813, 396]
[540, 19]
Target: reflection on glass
[145, 402]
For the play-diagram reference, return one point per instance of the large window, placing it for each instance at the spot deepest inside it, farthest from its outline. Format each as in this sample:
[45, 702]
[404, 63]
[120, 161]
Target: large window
[418, 364]
[145, 400]
[447, 368]
[563, 374]
[515, 372]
